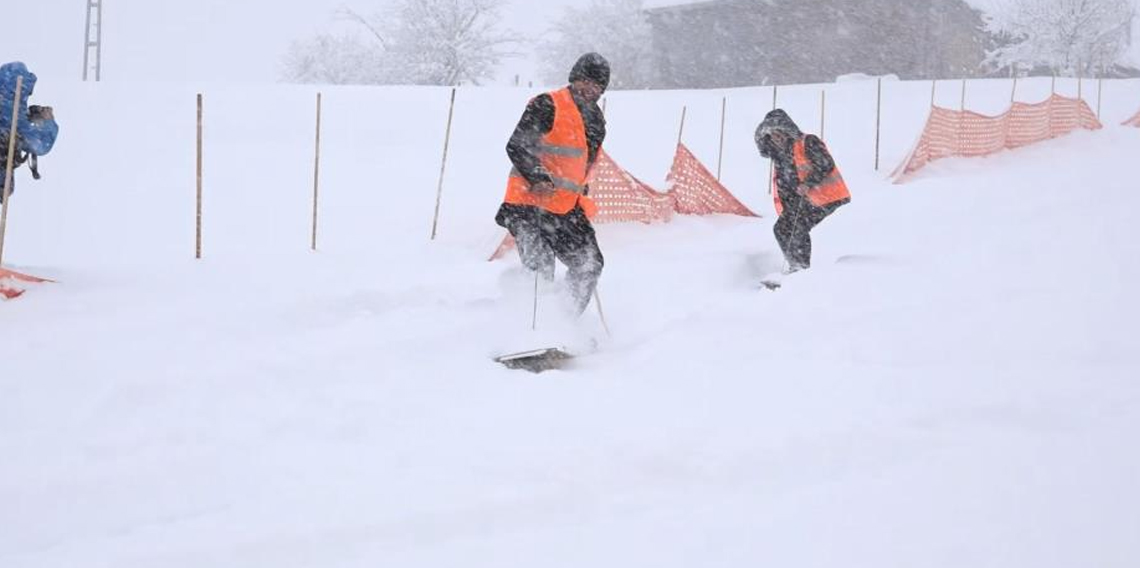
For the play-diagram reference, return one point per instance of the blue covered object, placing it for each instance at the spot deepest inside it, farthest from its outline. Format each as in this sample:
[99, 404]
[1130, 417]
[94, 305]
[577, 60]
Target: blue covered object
[34, 137]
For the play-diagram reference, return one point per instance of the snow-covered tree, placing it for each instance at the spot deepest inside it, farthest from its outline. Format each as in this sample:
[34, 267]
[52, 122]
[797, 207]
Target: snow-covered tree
[1067, 36]
[333, 59]
[617, 29]
[415, 42]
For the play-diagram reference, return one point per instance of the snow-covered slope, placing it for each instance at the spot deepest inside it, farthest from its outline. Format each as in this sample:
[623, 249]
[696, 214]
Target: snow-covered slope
[953, 383]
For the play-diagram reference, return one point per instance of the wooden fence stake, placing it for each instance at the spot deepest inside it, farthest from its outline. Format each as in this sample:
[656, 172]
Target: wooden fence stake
[1099, 94]
[443, 165]
[878, 121]
[772, 163]
[681, 131]
[720, 154]
[10, 163]
[822, 113]
[316, 172]
[198, 205]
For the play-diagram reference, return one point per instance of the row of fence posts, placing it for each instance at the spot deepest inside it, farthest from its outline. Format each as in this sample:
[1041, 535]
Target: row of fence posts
[447, 143]
[1012, 99]
[1013, 92]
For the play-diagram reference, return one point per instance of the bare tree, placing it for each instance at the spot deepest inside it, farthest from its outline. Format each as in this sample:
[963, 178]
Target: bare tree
[451, 42]
[334, 60]
[1067, 36]
[416, 42]
[617, 29]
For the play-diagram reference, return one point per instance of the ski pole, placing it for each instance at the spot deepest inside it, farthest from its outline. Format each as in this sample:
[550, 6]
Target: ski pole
[534, 316]
[601, 312]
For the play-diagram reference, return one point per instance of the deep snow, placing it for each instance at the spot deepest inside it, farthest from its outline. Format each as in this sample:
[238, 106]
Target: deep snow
[953, 383]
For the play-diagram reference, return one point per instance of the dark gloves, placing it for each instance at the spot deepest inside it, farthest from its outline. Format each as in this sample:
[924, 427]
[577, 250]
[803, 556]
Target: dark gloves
[38, 113]
[542, 188]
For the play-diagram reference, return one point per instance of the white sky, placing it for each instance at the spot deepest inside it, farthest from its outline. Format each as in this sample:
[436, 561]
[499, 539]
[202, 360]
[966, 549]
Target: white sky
[170, 40]
[206, 40]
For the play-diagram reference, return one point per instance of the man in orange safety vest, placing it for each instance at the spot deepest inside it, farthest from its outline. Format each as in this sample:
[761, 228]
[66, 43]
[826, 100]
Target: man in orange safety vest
[808, 186]
[547, 206]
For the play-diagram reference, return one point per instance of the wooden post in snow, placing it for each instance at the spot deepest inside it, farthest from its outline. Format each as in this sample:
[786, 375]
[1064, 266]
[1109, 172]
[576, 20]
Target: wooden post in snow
[933, 90]
[443, 165]
[962, 109]
[822, 113]
[10, 162]
[720, 154]
[198, 201]
[1080, 82]
[681, 131]
[316, 172]
[878, 120]
[771, 162]
[1099, 95]
[1013, 92]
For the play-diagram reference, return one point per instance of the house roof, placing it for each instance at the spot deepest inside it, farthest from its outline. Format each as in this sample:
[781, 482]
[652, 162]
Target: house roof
[672, 5]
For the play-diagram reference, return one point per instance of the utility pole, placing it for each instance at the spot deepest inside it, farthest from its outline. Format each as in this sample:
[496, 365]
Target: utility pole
[93, 40]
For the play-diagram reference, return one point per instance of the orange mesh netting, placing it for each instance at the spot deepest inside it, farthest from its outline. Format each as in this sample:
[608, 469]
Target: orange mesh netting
[12, 284]
[950, 133]
[622, 198]
[696, 191]
[1134, 121]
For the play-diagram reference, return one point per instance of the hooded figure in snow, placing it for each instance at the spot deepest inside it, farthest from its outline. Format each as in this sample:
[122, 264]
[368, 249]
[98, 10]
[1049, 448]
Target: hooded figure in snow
[547, 205]
[808, 184]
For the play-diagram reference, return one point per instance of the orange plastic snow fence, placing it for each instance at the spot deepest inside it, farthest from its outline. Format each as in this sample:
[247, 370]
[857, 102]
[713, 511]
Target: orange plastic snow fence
[951, 133]
[622, 198]
[13, 284]
[696, 191]
[1134, 121]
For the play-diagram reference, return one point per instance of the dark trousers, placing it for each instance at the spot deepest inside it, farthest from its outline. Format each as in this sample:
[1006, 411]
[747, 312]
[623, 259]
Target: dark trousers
[3, 169]
[793, 229]
[542, 237]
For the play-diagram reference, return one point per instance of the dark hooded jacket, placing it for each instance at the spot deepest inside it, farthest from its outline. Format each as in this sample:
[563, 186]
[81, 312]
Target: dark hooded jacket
[787, 180]
[538, 120]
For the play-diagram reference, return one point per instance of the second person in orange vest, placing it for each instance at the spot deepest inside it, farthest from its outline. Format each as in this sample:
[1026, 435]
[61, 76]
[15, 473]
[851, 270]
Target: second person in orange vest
[547, 206]
[807, 183]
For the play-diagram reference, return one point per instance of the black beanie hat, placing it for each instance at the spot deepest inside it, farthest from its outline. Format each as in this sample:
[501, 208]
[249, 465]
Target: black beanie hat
[592, 67]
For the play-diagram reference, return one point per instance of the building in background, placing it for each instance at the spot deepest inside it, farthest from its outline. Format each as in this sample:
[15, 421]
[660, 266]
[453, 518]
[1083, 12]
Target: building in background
[729, 43]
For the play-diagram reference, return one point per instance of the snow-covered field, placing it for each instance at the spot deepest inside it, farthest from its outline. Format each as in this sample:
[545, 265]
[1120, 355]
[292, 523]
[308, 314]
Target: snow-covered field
[954, 383]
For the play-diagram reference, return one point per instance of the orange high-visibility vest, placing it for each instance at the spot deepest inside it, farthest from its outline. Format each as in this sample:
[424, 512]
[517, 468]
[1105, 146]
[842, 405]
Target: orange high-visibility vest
[564, 153]
[830, 190]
